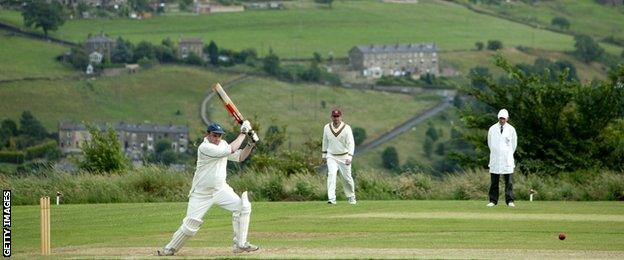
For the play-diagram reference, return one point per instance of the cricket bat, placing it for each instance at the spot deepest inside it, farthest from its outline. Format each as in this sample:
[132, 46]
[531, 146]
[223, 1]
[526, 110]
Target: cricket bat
[227, 102]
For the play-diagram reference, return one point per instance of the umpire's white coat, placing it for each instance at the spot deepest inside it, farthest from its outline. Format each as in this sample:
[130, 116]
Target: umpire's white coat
[502, 147]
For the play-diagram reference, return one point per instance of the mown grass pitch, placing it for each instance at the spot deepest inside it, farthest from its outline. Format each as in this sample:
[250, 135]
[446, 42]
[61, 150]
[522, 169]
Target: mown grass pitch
[370, 229]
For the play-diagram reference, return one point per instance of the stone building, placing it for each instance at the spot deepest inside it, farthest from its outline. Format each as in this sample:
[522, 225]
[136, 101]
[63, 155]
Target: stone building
[134, 139]
[100, 43]
[395, 59]
[188, 45]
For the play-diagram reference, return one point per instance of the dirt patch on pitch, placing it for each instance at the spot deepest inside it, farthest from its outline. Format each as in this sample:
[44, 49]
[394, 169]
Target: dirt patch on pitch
[332, 253]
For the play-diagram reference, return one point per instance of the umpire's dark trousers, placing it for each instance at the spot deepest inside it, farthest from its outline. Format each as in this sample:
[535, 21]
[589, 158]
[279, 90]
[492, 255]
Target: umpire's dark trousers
[509, 196]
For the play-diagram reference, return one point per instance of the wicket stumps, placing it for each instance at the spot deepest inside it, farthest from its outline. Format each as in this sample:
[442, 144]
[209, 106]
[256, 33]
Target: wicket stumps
[45, 225]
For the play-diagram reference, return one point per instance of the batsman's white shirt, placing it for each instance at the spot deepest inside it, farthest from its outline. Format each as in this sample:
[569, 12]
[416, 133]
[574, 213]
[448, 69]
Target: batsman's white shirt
[338, 142]
[211, 169]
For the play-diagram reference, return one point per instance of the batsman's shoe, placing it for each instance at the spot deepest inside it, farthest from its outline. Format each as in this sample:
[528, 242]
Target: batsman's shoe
[511, 204]
[166, 252]
[248, 247]
[352, 201]
[491, 204]
[331, 202]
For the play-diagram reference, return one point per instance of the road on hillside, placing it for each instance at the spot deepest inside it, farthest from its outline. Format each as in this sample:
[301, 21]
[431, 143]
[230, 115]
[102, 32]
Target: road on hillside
[404, 127]
[204, 104]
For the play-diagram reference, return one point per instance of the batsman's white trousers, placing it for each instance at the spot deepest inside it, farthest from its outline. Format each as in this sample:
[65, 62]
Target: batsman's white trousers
[333, 165]
[199, 203]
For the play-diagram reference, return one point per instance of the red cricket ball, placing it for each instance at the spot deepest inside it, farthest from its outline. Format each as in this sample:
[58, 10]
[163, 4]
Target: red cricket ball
[562, 236]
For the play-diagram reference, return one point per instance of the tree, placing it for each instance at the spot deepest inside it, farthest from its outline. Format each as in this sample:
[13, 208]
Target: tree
[40, 14]
[213, 53]
[428, 147]
[122, 52]
[494, 45]
[271, 63]
[478, 76]
[102, 154]
[326, 2]
[587, 49]
[163, 153]
[390, 158]
[79, 58]
[432, 133]
[479, 45]
[317, 57]
[193, 59]
[559, 122]
[30, 126]
[359, 135]
[144, 50]
[560, 22]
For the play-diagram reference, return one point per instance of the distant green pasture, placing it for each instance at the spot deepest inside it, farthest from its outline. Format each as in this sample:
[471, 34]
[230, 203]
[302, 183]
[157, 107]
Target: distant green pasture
[153, 95]
[299, 107]
[587, 17]
[298, 32]
[27, 58]
[370, 229]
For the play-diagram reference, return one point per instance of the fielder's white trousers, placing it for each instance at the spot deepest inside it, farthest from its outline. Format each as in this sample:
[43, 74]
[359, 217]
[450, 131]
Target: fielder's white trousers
[333, 166]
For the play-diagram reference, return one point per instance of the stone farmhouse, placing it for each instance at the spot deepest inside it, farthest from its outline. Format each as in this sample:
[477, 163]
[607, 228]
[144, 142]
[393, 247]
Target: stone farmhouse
[101, 44]
[134, 139]
[208, 7]
[188, 45]
[374, 61]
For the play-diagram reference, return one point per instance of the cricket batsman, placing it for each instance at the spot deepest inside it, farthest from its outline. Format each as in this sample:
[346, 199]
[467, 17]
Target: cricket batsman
[209, 187]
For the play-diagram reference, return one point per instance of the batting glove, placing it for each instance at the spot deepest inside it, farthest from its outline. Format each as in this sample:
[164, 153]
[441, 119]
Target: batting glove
[245, 127]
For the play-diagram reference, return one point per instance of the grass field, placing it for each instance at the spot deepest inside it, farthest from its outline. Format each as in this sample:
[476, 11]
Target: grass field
[26, 58]
[299, 107]
[298, 32]
[370, 229]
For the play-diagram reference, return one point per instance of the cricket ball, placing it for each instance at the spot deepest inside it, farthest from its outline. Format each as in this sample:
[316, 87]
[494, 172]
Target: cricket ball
[562, 236]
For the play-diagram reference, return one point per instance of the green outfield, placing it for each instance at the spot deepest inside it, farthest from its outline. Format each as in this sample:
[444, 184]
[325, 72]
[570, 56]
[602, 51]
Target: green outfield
[370, 229]
[300, 31]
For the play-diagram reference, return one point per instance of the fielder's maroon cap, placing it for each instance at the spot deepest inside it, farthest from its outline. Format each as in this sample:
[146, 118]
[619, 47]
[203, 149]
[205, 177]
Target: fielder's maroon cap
[336, 112]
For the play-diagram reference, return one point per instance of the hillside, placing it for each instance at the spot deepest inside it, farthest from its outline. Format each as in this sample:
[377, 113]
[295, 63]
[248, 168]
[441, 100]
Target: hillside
[299, 107]
[27, 58]
[300, 31]
[154, 95]
[585, 17]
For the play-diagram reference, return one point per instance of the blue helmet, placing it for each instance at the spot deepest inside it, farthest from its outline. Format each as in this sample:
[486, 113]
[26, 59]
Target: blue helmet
[215, 128]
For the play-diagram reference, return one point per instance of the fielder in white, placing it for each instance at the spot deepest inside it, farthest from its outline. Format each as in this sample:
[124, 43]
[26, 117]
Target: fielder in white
[338, 148]
[209, 187]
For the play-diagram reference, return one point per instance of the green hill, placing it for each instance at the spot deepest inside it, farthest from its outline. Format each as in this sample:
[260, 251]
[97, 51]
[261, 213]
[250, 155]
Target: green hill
[153, 95]
[586, 17]
[27, 58]
[375, 229]
[300, 31]
[156, 95]
[300, 107]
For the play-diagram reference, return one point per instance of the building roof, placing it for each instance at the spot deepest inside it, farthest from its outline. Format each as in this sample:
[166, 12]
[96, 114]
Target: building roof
[100, 38]
[397, 48]
[126, 127]
[191, 41]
